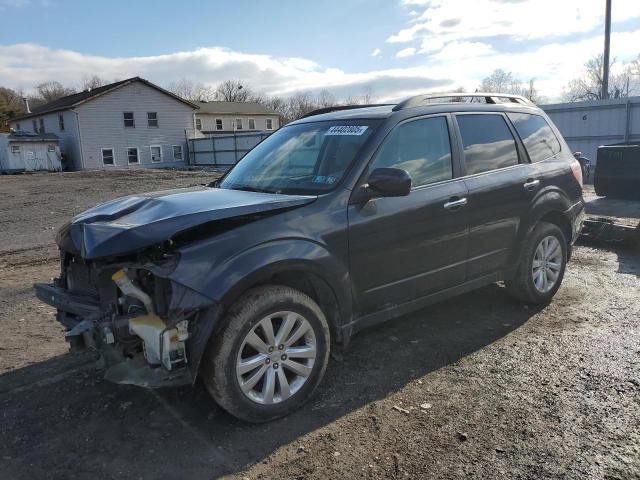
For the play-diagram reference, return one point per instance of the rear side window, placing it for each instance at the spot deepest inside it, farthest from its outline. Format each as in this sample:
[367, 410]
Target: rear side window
[536, 134]
[420, 147]
[488, 143]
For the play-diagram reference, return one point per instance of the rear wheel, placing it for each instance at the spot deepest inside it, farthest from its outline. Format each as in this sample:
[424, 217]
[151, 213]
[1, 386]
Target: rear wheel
[270, 355]
[542, 265]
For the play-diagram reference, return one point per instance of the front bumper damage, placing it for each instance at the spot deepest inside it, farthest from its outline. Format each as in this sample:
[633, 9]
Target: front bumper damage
[149, 334]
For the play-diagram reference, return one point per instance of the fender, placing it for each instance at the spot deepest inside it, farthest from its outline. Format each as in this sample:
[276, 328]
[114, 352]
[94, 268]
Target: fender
[548, 200]
[223, 282]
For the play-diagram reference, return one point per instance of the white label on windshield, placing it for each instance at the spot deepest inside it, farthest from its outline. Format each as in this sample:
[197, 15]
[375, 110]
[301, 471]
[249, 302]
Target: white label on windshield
[346, 130]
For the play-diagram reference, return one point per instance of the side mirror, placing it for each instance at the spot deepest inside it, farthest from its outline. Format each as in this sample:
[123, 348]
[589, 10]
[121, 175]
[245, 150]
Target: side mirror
[389, 182]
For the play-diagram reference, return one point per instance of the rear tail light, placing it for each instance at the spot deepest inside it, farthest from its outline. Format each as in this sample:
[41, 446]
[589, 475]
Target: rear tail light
[576, 168]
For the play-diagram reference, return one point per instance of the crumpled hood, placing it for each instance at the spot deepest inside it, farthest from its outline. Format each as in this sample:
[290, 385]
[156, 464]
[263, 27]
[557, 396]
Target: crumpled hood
[131, 223]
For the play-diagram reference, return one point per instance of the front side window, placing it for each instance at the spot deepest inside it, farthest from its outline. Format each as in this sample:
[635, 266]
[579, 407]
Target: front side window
[177, 152]
[488, 143]
[536, 134]
[156, 153]
[132, 155]
[129, 121]
[422, 148]
[238, 124]
[198, 124]
[252, 124]
[219, 124]
[107, 156]
[61, 122]
[269, 124]
[307, 158]
[152, 119]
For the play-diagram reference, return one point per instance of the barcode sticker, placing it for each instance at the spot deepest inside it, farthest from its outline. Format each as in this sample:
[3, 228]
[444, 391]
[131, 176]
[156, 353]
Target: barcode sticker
[346, 130]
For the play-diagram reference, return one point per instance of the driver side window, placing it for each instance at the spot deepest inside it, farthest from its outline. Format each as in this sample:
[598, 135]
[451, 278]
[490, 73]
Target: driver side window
[422, 148]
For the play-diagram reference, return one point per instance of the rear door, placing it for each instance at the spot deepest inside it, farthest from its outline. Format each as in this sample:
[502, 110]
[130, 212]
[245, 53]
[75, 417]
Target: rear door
[403, 248]
[501, 184]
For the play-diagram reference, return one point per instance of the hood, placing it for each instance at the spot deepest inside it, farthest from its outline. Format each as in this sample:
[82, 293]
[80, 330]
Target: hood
[131, 223]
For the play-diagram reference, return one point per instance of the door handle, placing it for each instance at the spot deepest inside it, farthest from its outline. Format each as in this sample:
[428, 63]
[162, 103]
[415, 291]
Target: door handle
[455, 204]
[531, 184]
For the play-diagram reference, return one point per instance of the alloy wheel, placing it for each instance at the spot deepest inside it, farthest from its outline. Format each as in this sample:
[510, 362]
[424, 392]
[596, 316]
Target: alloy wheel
[547, 263]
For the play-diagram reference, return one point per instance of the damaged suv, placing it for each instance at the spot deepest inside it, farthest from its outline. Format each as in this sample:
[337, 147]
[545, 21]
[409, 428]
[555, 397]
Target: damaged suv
[336, 222]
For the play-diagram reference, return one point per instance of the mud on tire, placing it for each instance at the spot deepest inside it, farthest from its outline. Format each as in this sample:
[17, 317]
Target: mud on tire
[233, 349]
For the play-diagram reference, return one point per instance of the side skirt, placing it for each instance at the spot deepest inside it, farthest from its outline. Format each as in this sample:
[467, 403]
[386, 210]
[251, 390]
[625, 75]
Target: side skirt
[394, 311]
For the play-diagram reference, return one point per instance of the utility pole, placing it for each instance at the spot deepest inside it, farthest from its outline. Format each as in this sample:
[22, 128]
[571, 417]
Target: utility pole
[605, 63]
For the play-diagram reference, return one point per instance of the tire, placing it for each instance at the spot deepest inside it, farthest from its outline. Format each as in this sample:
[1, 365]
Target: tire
[232, 349]
[522, 286]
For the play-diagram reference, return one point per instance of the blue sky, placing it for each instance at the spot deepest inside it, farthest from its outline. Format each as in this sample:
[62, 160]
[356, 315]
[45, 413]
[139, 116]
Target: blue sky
[390, 48]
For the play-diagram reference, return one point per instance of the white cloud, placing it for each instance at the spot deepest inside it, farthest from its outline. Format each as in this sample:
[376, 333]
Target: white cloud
[406, 52]
[462, 50]
[23, 66]
[376, 52]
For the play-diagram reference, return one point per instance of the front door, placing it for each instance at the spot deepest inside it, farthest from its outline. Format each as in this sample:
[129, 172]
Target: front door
[403, 248]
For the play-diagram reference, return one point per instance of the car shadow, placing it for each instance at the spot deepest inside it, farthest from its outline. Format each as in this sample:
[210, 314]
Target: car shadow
[78, 425]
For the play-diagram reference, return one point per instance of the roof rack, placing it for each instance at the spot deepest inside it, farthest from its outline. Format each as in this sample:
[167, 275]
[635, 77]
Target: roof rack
[337, 108]
[491, 98]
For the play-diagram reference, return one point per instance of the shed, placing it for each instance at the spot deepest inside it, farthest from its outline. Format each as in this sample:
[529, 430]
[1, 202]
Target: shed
[27, 152]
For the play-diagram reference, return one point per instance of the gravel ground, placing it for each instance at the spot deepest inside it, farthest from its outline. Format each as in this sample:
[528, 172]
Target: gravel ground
[479, 386]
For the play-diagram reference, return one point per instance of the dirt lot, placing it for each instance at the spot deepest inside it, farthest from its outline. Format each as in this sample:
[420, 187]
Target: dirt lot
[480, 386]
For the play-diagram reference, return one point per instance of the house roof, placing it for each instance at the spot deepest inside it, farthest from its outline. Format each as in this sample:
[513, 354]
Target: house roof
[244, 108]
[75, 99]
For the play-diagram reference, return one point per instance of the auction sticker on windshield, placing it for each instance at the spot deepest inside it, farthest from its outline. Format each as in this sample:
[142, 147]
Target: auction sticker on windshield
[346, 130]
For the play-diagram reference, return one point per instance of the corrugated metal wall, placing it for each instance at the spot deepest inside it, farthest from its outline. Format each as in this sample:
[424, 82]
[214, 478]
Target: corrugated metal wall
[587, 125]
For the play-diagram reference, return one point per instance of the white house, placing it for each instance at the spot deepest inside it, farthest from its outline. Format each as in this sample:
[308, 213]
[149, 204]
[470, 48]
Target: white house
[234, 117]
[128, 124]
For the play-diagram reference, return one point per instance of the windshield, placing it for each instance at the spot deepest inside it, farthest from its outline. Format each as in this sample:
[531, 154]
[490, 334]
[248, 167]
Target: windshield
[304, 159]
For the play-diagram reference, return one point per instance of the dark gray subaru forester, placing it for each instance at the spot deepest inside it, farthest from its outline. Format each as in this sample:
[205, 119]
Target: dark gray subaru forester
[338, 221]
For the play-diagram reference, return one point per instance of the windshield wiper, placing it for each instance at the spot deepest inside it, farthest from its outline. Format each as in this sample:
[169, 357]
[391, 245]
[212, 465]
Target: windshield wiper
[247, 188]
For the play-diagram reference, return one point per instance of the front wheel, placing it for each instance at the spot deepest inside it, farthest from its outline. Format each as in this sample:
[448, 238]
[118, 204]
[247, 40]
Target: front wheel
[542, 265]
[270, 355]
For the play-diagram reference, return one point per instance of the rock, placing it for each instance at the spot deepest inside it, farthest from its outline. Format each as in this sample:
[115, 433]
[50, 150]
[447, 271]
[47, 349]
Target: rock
[400, 409]
[336, 454]
[463, 437]
[500, 450]
[425, 406]
[301, 449]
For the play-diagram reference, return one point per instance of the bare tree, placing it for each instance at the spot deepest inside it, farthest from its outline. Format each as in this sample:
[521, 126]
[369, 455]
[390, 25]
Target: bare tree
[234, 91]
[10, 106]
[90, 82]
[501, 82]
[48, 92]
[588, 86]
[192, 91]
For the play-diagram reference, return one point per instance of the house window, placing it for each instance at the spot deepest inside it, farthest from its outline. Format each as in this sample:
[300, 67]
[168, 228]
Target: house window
[132, 155]
[238, 124]
[107, 156]
[152, 119]
[177, 152]
[61, 122]
[198, 124]
[17, 127]
[219, 124]
[252, 124]
[15, 148]
[156, 153]
[51, 148]
[269, 124]
[129, 121]
[42, 125]
[35, 126]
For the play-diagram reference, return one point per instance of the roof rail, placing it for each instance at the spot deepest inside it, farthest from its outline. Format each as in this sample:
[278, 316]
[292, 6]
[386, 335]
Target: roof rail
[488, 97]
[337, 108]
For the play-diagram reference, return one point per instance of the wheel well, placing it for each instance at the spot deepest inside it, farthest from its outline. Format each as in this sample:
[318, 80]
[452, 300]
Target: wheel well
[312, 285]
[559, 219]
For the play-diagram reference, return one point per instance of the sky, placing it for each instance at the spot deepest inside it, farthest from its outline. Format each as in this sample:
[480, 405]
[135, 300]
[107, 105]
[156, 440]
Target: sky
[386, 48]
